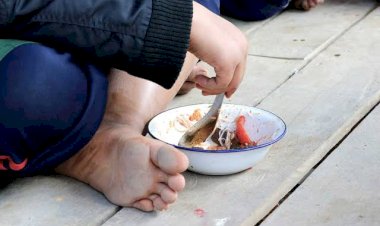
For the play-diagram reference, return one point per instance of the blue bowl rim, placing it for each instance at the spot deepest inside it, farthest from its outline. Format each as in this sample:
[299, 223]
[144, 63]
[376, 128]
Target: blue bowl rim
[226, 150]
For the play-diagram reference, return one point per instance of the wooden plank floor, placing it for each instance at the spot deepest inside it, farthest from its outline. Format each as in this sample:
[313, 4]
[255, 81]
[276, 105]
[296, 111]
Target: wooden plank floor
[343, 190]
[308, 32]
[52, 201]
[321, 86]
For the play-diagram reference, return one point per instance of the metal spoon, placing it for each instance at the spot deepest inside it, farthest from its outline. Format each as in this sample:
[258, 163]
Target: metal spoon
[202, 129]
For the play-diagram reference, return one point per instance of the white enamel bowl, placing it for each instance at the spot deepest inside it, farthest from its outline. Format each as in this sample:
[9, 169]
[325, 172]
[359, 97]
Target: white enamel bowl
[263, 127]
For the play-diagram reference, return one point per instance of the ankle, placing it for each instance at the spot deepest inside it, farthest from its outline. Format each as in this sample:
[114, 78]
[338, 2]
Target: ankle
[86, 162]
[118, 112]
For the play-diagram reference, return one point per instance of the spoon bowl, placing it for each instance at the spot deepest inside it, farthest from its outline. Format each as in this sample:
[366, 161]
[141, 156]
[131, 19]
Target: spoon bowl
[204, 127]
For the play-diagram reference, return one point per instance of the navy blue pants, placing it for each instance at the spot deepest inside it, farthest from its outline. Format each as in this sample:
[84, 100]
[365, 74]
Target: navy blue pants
[51, 104]
[250, 10]
[212, 5]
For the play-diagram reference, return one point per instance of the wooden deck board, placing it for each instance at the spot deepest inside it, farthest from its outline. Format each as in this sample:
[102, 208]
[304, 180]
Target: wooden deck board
[52, 201]
[343, 190]
[335, 92]
[303, 33]
[320, 105]
[249, 27]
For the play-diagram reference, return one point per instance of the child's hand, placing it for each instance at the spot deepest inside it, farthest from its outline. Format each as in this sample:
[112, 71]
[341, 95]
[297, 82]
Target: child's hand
[223, 46]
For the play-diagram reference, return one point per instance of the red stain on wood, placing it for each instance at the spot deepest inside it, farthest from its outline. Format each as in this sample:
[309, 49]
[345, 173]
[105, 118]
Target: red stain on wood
[200, 212]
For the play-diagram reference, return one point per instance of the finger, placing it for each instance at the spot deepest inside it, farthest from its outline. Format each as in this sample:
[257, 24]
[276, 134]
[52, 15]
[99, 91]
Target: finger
[208, 92]
[186, 88]
[237, 79]
[197, 70]
[205, 93]
[217, 84]
[208, 84]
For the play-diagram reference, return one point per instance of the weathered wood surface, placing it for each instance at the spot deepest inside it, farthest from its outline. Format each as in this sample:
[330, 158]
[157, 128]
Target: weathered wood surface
[302, 34]
[52, 201]
[320, 105]
[344, 189]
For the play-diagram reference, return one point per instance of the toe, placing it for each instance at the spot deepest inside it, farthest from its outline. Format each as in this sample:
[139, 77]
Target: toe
[162, 177]
[166, 194]
[305, 5]
[158, 203]
[297, 4]
[312, 4]
[146, 205]
[169, 159]
[176, 182]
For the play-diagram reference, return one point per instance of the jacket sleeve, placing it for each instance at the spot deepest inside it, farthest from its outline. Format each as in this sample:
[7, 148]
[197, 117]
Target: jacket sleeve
[147, 38]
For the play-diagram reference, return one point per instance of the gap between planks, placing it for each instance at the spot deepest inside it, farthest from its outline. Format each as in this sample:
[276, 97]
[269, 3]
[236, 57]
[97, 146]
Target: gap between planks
[318, 163]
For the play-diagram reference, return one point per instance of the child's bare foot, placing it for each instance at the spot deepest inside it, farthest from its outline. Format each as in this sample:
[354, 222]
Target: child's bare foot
[306, 4]
[189, 83]
[129, 169]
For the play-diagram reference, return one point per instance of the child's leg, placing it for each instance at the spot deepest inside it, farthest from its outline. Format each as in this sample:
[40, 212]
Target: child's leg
[52, 104]
[50, 107]
[129, 168]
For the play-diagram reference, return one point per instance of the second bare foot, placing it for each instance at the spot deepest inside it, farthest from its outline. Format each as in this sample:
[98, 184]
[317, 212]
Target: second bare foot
[306, 4]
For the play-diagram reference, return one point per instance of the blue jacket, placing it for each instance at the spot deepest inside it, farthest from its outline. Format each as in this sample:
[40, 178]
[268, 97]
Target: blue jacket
[147, 38]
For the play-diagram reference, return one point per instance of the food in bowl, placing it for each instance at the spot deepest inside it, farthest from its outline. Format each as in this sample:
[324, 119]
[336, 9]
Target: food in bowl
[242, 137]
[220, 137]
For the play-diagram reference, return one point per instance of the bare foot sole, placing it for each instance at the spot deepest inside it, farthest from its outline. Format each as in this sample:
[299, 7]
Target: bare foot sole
[189, 83]
[129, 169]
[306, 4]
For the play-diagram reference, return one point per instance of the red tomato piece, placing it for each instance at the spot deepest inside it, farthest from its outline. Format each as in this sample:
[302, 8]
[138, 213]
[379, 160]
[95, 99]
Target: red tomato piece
[241, 133]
